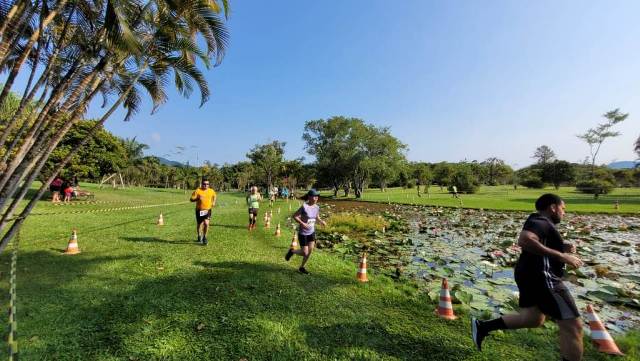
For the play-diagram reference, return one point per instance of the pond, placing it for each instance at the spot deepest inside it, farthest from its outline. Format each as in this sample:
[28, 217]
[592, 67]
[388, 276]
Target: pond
[476, 250]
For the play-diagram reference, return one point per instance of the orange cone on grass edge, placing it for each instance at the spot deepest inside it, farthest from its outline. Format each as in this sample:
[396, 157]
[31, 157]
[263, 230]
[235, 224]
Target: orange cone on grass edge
[294, 241]
[599, 335]
[161, 220]
[72, 247]
[445, 308]
[278, 231]
[362, 269]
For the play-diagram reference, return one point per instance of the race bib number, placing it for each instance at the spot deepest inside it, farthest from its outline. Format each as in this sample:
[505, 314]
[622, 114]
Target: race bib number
[204, 212]
[311, 222]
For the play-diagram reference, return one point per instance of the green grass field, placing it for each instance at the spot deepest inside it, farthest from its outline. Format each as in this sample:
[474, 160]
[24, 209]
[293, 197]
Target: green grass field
[139, 291]
[506, 198]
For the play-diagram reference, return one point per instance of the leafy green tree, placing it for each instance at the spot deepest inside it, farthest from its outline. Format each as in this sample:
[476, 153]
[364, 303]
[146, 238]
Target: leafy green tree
[637, 147]
[558, 172]
[103, 154]
[544, 155]
[496, 171]
[268, 159]
[443, 174]
[350, 152]
[594, 137]
[422, 174]
[464, 179]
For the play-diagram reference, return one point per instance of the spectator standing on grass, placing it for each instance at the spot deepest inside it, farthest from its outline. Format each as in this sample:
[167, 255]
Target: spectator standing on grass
[306, 216]
[538, 275]
[253, 202]
[205, 199]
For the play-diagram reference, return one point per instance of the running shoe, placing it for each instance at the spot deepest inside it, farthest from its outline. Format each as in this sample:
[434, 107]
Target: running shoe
[204, 241]
[477, 333]
[303, 270]
[287, 257]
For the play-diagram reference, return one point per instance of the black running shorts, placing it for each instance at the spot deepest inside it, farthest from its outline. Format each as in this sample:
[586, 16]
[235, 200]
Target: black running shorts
[305, 240]
[555, 302]
[201, 215]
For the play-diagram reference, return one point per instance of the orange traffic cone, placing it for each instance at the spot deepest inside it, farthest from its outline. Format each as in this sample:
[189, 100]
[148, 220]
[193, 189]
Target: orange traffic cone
[278, 210]
[160, 220]
[289, 207]
[599, 335]
[362, 269]
[72, 247]
[294, 241]
[278, 232]
[267, 224]
[445, 309]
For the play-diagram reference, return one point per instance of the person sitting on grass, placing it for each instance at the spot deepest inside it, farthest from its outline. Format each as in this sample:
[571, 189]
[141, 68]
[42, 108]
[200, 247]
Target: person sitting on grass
[68, 192]
[306, 217]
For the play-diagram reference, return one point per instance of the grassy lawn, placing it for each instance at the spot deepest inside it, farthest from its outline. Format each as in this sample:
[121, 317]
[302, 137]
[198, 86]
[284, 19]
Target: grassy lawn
[506, 198]
[144, 292]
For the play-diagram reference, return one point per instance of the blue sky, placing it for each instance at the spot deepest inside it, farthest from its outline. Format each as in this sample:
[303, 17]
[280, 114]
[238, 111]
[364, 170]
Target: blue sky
[453, 80]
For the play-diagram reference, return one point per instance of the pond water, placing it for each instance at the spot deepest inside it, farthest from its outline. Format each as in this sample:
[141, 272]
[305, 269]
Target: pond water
[476, 250]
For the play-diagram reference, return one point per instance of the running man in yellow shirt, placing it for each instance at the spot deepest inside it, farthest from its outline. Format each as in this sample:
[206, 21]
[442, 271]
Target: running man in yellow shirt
[205, 199]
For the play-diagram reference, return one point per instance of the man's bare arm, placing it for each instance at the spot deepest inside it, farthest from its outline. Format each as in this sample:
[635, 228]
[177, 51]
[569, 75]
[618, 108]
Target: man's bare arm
[530, 242]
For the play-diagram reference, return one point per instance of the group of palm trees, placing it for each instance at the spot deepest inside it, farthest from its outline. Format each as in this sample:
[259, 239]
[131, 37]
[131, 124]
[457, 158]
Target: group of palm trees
[71, 52]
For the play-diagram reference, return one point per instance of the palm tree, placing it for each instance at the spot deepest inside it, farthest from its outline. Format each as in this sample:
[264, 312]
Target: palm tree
[110, 47]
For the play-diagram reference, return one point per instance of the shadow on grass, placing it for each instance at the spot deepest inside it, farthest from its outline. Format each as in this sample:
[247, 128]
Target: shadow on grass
[375, 336]
[231, 226]
[218, 311]
[158, 240]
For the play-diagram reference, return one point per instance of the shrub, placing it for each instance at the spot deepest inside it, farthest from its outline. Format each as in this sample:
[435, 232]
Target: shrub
[595, 186]
[533, 182]
[464, 180]
[349, 223]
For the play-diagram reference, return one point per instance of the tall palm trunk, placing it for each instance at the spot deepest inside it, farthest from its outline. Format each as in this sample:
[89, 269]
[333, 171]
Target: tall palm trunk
[36, 152]
[34, 37]
[17, 8]
[39, 123]
[27, 184]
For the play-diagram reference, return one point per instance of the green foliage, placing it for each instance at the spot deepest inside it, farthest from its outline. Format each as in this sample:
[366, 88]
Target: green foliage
[443, 173]
[267, 160]
[558, 172]
[532, 182]
[496, 172]
[103, 154]
[595, 186]
[354, 224]
[464, 179]
[350, 152]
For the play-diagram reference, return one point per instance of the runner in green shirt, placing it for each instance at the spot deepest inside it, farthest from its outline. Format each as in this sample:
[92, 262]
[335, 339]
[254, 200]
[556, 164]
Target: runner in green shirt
[253, 202]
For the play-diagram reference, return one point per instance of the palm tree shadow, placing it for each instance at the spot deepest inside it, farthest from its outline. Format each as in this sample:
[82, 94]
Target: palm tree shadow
[344, 337]
[232, 226]
[157, 240]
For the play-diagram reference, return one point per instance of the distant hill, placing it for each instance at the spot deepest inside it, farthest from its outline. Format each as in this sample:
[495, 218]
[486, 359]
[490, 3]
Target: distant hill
[168, 162]
[625, 164]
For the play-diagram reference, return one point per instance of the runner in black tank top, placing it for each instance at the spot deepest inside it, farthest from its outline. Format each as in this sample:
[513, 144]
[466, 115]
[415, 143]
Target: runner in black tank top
[538, 275]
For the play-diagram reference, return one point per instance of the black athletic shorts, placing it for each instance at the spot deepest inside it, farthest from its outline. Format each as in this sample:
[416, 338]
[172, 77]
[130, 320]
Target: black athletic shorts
[555, 302]
[253, 211]
[200, 218]
[305, 240]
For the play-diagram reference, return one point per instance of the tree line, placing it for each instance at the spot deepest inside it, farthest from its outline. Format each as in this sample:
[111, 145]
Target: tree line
[350, 157]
